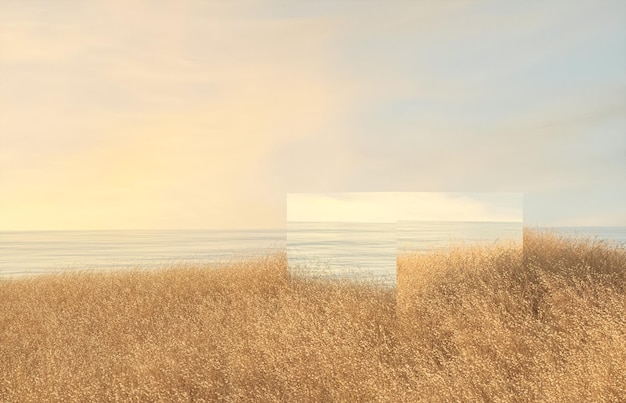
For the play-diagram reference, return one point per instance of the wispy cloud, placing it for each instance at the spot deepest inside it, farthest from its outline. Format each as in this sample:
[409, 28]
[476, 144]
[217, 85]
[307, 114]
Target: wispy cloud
[204, 114]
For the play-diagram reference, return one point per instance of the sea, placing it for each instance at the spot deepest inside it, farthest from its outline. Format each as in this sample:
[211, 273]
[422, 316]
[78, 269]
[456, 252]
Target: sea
[369, 250]
[34, 252]
[365, 250]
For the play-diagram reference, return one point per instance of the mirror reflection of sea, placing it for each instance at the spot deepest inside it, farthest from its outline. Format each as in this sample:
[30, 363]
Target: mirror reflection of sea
[369, 250]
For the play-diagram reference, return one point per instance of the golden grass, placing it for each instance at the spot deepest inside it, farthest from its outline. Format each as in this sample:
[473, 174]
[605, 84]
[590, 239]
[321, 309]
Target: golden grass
[546, 323]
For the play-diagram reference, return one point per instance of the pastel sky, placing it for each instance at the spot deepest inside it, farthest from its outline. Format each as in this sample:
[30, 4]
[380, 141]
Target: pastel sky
[391, 207]
[206, 114]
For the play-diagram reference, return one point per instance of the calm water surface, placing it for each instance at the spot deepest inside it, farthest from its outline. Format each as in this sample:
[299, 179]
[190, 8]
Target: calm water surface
[365, 249]
[369, 250]
[45, 251]
[343, 250]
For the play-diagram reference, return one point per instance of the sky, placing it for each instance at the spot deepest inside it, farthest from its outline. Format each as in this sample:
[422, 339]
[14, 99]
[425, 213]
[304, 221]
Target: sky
[392, 207]
[206, 114]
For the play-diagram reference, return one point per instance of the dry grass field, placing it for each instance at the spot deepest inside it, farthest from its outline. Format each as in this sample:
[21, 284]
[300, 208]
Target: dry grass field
[543, 323]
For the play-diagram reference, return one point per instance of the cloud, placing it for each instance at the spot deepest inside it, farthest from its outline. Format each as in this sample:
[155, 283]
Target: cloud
[158, 116]
[204, 114]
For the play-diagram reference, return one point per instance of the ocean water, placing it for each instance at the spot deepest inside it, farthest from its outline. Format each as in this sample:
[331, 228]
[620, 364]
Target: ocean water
[366, 250]
[340, 250]
[369, 250]
[45, 251]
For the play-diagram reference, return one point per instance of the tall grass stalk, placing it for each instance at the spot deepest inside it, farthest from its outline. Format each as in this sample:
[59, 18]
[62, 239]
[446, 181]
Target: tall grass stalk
[545, 322]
